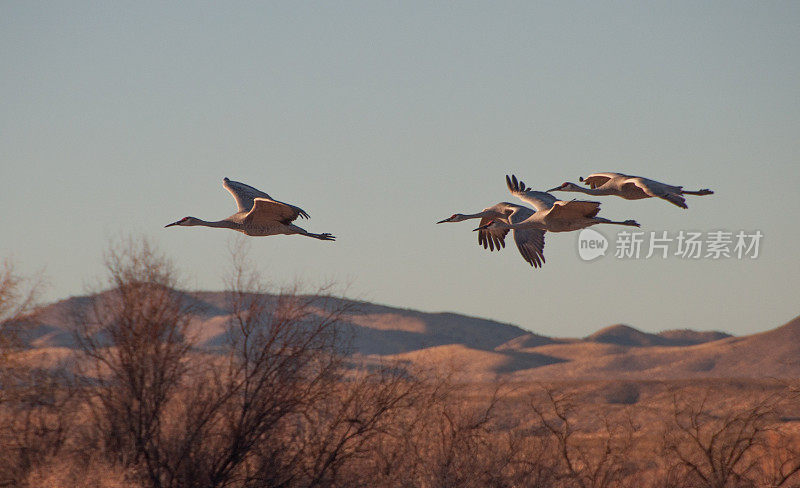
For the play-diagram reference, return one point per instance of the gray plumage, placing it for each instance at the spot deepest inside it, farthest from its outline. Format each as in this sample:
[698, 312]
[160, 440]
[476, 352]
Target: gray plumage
[530, 242]
[631, 188]
[258, 214]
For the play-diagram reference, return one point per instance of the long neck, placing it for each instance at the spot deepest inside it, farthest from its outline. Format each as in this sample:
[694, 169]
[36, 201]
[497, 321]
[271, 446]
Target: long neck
[589, 191]
[223, 224]
[482, 214]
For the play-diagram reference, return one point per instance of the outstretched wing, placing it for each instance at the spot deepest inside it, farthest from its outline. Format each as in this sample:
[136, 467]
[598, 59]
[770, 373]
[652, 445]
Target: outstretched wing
[653, 188]
[540, 200]
[267, 211]
[495, 238]
[596, 180]
[243, 194]
[574, 209]
[491, 239]
[530, 242]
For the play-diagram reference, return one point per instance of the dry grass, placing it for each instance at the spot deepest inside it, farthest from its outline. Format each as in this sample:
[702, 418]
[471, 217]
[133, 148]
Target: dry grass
[432, 430]
[73, 472]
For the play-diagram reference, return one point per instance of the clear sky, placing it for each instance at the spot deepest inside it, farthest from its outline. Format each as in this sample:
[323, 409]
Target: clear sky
[381, 118]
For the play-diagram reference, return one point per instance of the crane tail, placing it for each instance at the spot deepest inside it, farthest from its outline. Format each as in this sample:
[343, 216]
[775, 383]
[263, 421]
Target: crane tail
[704, 191]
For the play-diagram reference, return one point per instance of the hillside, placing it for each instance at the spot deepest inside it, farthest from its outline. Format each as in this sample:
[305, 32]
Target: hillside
[482, 348]
[625, 335]
[373, 329]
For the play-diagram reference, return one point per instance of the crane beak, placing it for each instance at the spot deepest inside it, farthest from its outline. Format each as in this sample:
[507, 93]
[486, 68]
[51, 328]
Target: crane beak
[170, 225]
[482, 227]
[554, 189]
[443, 221]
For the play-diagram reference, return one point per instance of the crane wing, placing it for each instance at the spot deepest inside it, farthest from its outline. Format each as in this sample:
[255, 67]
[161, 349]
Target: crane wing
[495, 238]
[491, 239]
[574, 209]
[540, 200]
[652, 188]
[243, 194]
[530, 242]
[266, 211]
[596, 180]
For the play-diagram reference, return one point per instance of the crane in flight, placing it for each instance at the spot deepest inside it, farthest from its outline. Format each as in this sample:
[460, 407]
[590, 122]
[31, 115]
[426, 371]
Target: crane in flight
[530, 242]
[258, 214]
[630, 188]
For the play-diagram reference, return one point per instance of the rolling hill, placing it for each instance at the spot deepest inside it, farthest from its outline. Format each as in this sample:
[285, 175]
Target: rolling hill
[482, 348]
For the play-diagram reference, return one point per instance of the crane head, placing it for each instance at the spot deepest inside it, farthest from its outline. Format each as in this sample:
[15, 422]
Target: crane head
[183, 221]
[566, 186]
[453, 218]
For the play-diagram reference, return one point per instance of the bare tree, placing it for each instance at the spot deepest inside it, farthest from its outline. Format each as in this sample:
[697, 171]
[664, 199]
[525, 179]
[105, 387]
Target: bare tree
[451, 436]
[718, 449]
[35, 404]
[596, 462]
[35, 425]
[779, 459]
[134, 340]
[17, 298]
[282, 357]
[783, 446]
[276, 405]
[336, 437]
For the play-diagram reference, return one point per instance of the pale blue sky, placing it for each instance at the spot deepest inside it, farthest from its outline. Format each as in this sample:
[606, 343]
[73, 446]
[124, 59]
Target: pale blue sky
[381, 118]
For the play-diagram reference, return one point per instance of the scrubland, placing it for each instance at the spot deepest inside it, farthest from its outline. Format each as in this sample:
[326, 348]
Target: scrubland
[282, 403]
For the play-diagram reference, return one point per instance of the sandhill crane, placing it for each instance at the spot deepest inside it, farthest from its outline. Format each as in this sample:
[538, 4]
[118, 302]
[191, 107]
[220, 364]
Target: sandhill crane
[258, 214]
[530, 242]
[631, 188]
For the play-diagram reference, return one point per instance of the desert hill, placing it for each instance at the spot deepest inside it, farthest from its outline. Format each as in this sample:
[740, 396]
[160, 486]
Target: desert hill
[374, 329]
[484, 348]
[625, 335]
[770, 354]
